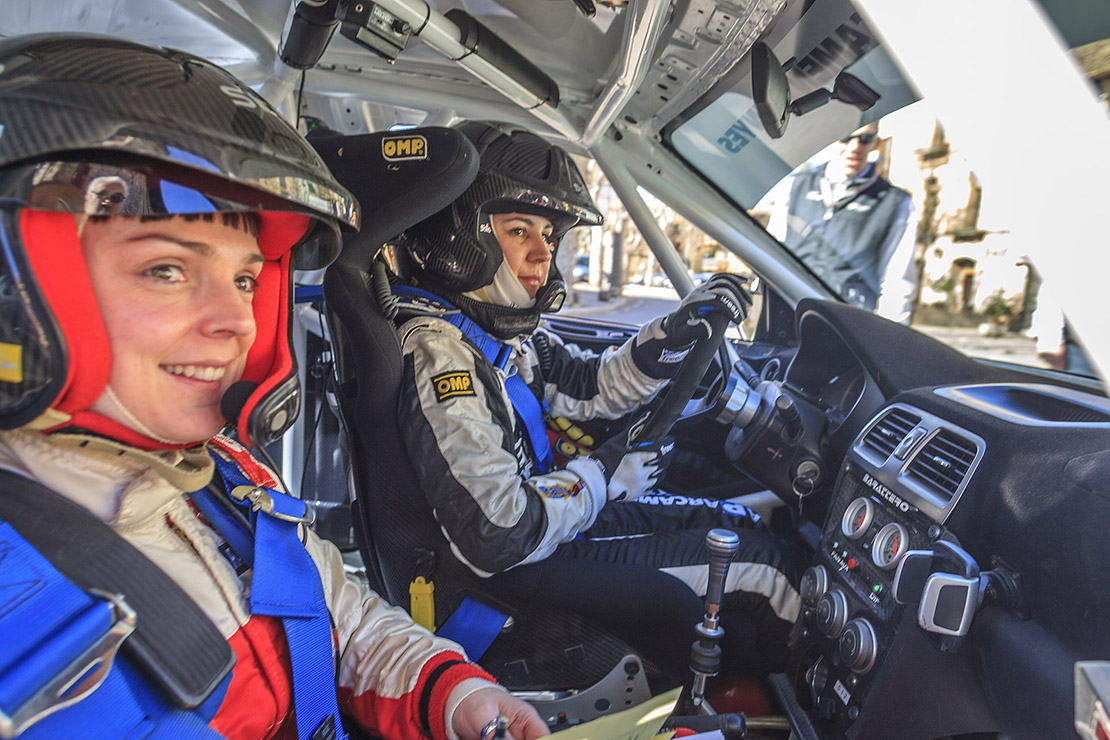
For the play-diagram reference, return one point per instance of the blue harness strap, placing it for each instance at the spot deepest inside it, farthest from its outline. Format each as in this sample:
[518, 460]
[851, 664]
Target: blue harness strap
[530, 413]
[527, 407]
[473, 625]
[285, 583]
[60, 673]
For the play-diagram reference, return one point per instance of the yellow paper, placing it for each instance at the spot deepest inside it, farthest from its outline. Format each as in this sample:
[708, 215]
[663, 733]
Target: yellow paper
[641, 722]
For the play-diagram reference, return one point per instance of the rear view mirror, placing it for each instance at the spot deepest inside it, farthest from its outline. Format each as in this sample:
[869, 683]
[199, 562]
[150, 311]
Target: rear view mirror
[770, 90]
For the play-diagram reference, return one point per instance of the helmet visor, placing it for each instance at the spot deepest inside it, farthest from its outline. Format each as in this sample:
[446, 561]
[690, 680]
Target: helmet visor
[143, 188]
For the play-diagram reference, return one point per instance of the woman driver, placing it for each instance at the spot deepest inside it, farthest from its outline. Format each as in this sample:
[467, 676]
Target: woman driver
[484, 275]
[128, 336]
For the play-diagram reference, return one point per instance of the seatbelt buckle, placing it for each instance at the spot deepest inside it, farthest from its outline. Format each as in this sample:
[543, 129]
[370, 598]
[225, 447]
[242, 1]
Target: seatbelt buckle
[261, 500]
[81, 676]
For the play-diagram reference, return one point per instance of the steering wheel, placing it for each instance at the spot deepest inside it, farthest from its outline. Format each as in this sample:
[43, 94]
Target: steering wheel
[654, 425]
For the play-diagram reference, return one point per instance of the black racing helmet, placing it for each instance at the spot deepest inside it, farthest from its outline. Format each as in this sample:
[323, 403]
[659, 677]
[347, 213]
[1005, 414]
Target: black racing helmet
[102, 126]
[518, 172]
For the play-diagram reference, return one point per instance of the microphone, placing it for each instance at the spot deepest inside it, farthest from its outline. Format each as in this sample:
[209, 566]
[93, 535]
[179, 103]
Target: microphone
[234, 398]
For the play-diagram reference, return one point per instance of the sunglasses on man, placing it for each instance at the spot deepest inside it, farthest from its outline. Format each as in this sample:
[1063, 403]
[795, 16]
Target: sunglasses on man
[865, 139]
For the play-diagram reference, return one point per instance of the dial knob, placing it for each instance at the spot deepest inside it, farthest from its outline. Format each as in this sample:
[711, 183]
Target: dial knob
[815, 581]
[858, 645]
[832, 612]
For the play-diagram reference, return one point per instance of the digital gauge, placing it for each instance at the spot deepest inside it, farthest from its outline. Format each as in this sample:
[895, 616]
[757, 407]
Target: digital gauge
[857, 518]
[889, 546]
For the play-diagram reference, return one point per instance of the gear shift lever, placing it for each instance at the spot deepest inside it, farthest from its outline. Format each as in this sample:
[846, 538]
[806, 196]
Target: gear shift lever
[705, 655]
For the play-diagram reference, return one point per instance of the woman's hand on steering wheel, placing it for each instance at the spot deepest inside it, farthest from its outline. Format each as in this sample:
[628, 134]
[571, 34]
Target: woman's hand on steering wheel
[682, 344]
[662, 346]
[722, 293]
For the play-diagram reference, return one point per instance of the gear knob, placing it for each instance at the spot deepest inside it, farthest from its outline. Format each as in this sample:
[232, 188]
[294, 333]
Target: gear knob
[722, 545]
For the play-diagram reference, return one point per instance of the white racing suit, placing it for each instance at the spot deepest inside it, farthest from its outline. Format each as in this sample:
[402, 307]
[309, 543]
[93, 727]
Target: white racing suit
[394, 678]
[475, 467]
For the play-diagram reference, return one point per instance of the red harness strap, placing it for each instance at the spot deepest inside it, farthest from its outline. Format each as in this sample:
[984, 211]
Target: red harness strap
[246, 462]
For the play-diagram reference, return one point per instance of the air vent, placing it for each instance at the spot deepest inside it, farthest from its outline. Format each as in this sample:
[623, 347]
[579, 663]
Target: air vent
[888, 431]
[943, 463]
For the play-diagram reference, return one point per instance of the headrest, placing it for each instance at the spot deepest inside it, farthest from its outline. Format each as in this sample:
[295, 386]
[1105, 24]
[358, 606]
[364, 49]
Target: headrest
[399, 177]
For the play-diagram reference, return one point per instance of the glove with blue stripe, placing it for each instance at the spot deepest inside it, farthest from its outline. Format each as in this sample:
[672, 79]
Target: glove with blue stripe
[662, 344]
[724, 292]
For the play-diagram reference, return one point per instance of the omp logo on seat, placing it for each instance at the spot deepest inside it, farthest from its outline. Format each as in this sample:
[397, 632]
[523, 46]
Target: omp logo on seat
[398, 148]
[452, 385]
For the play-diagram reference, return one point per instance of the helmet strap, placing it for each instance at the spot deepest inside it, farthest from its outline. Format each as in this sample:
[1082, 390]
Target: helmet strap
[505, 290]
[133, 421]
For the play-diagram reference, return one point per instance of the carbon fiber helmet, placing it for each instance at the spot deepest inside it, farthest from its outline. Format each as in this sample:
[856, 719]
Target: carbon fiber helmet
[456, 248]
[96, 125]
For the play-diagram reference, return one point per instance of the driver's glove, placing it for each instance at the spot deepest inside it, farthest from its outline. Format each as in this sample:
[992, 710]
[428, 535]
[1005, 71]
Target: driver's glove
[633, 470]
[662, 344]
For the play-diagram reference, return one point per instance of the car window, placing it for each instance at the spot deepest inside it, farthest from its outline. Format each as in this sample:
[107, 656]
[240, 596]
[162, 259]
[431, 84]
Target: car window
[961, 276]
[612, 274]
[878, 202]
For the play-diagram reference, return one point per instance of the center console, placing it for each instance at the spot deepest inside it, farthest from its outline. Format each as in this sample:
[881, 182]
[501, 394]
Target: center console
[900, 480]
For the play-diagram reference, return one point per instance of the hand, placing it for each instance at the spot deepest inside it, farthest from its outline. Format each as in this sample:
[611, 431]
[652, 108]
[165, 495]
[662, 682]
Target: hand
[1058, 359]
[723, 292]
[633, 470]
[476, 710]
[662, 344]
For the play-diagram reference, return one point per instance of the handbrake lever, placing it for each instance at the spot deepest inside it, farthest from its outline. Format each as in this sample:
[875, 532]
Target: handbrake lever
[731, 726]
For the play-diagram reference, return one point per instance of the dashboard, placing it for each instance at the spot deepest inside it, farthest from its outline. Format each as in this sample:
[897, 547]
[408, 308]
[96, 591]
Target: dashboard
[962, 558]
[958, 513]
[826, 372]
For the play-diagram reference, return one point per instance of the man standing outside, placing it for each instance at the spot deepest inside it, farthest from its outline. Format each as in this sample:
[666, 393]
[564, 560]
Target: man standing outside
[852, 228]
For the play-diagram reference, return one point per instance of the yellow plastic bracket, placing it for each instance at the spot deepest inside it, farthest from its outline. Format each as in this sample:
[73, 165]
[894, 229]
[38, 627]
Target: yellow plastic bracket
[422, 603]
[11, 362]
[565, 427]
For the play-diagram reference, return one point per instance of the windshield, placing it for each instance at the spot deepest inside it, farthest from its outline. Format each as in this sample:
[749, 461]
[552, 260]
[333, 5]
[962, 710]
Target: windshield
[865, 188]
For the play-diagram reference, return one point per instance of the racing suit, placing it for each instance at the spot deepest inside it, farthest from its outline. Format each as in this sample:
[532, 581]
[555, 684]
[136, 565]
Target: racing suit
[476, 469]
[394, 678]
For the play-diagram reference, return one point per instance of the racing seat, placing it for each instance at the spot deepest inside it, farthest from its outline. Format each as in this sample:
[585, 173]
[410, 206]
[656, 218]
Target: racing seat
[562, 629]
